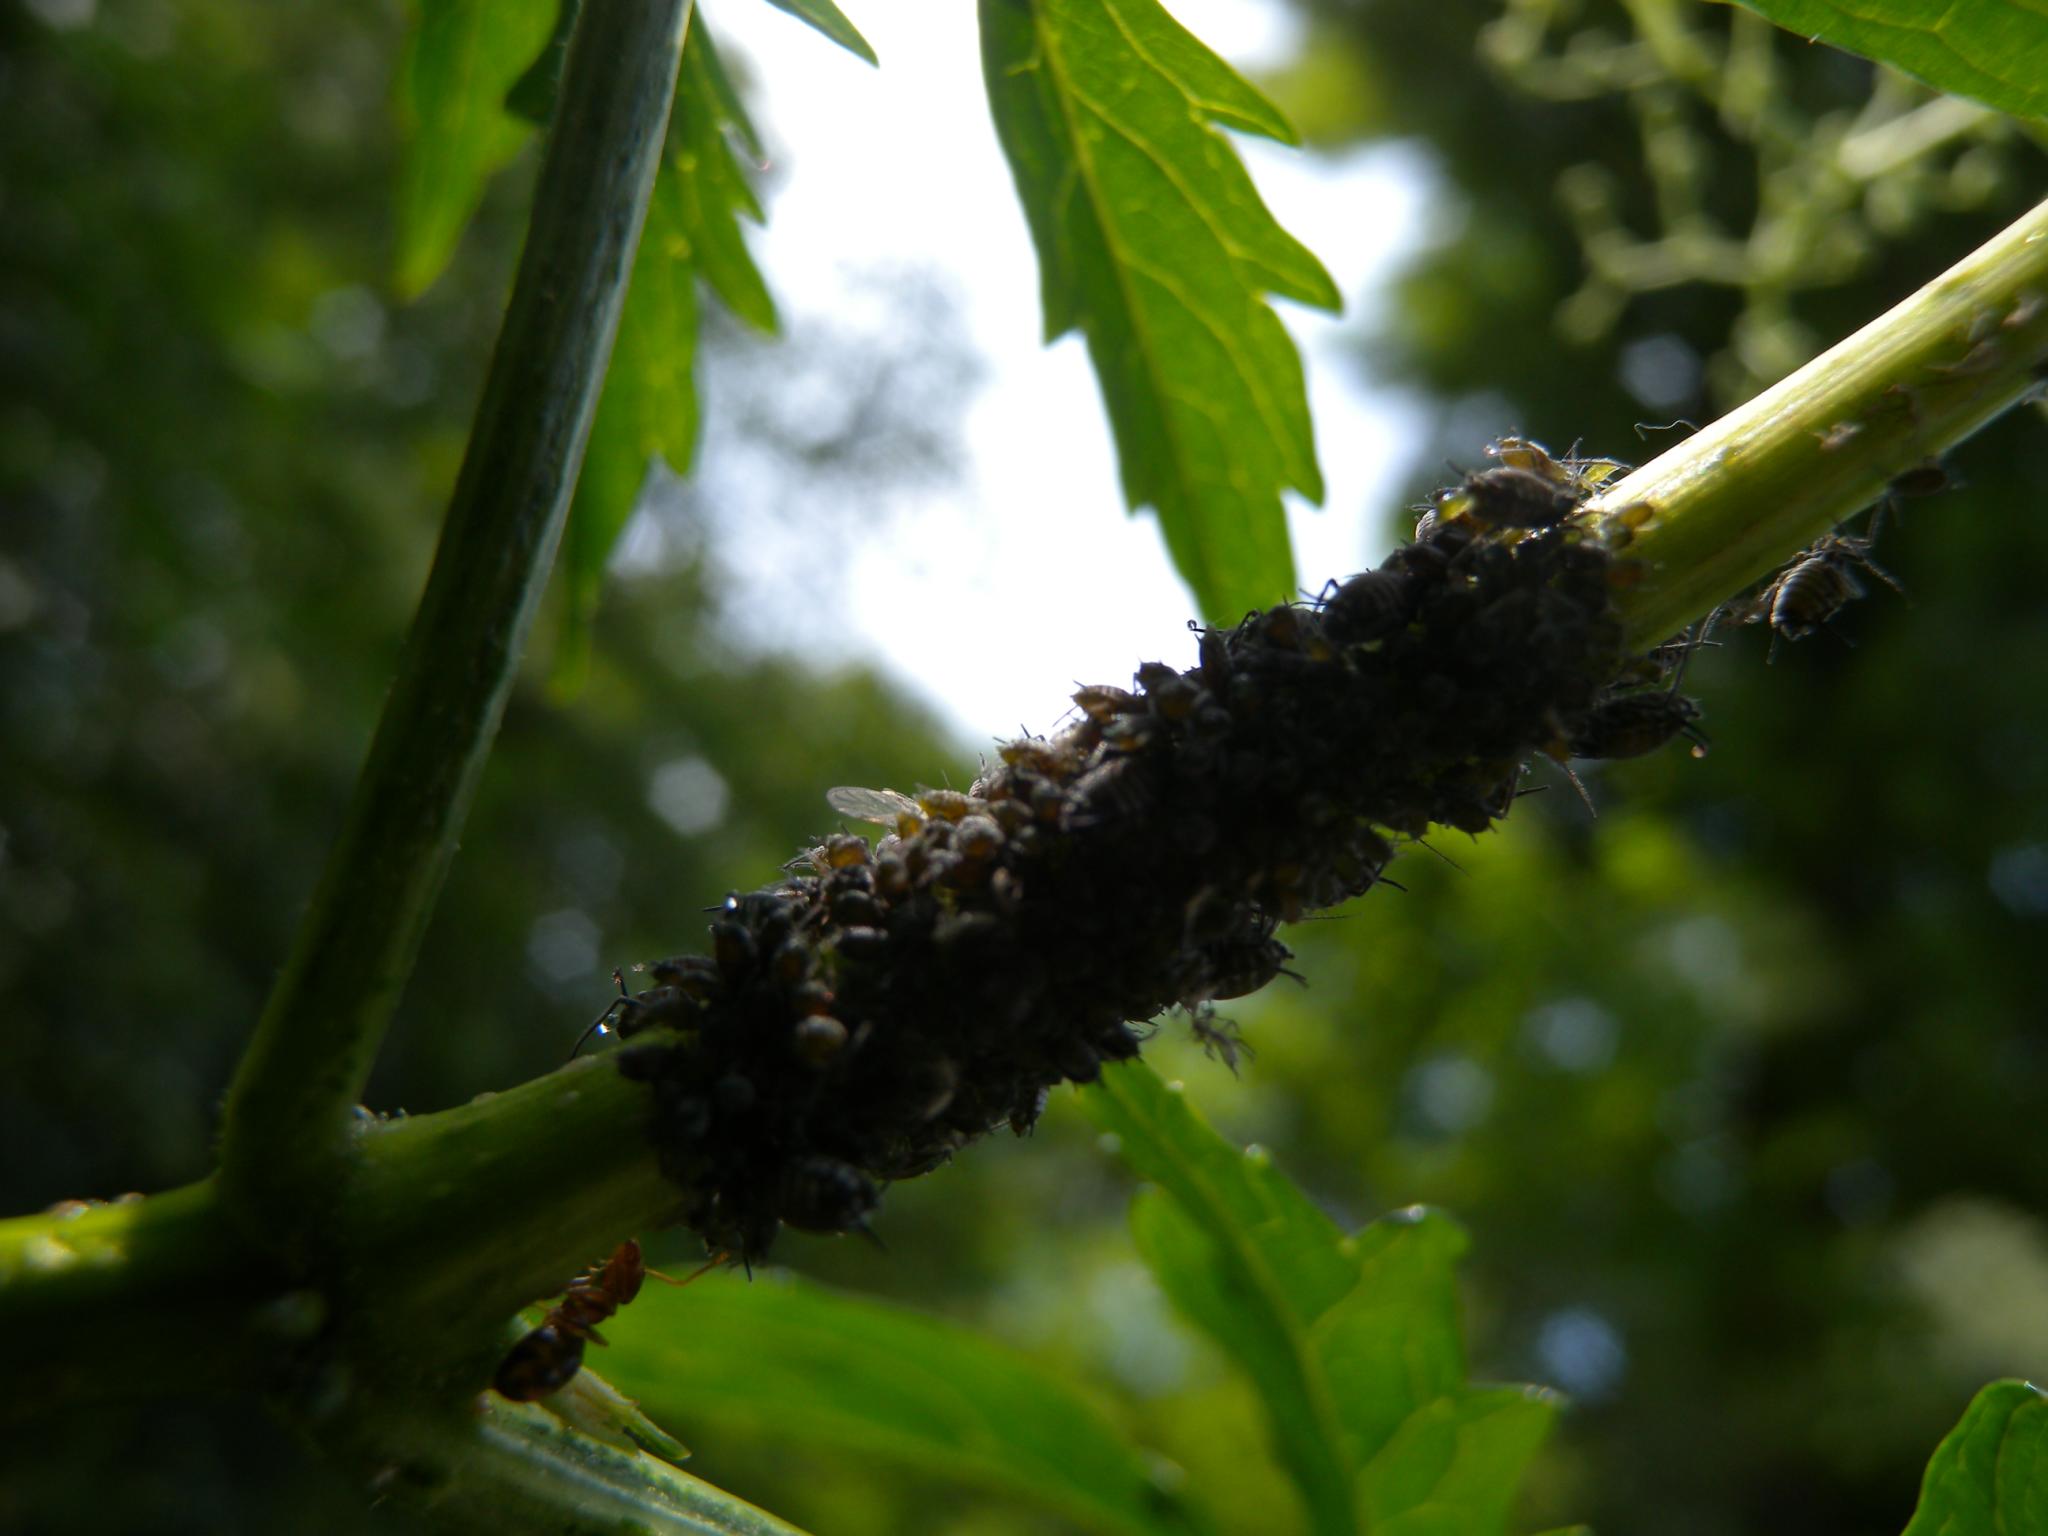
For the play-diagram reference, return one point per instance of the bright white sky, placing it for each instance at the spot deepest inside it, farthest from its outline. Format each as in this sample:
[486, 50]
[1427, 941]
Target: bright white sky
[992, 597]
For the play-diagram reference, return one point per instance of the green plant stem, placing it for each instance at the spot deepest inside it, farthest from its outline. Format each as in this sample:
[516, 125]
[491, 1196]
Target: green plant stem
[289, 1124]
[137, 1297]
[470, 1214]
[1739, 498]
[454, 1221]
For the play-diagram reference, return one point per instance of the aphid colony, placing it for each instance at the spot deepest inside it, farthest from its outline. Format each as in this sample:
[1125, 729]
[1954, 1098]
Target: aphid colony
[879, 1007]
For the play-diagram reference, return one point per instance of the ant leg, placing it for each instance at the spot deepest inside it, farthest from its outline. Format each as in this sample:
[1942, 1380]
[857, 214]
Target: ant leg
[701, 1270]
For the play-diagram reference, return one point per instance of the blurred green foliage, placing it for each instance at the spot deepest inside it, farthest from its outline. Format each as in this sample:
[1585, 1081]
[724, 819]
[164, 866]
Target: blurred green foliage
[223, 456]
[1992, 53]
[1735, 1088]
[1991, 1473]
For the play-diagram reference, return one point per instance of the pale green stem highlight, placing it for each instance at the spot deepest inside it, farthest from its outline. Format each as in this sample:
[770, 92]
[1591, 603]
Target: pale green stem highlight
[1735, 501]
[454, 1222]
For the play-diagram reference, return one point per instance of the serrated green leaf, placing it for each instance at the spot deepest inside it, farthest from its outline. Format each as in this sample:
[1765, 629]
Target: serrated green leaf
[1221, 1298]
[1352, 1343]
[1452, 1467]
[1152, 242]
[1249, 1260]
[830, 20]
[724, 96]
[533, 94]
[463, 58]
[1993, 51]
[1393, 1344]
[711, 188]
[1989, 1477]
[649, 407]
[800, 1364]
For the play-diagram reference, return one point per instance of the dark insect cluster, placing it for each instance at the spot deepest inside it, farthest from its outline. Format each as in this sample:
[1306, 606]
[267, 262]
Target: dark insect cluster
[882, 1006]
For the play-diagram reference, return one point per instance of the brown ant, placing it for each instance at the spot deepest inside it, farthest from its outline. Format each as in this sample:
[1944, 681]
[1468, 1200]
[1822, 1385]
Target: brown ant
[548, 1358]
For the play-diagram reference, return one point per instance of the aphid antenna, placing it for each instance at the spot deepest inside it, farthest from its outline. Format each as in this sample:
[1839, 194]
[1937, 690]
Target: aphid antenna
[1645, 428]
[865, 1230]
[597, 1025]
[1419, 843]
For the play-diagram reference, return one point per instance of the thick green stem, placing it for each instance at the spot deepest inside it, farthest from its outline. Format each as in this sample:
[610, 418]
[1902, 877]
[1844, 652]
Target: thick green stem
[472, 1213]
[1737, 499]
[140, 1297]
[289, 1112]
[453, 1222]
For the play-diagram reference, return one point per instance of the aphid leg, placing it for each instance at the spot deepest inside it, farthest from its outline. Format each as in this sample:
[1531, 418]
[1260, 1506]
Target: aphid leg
[1441, 854]
[598, 1024]
[1580, 785]
[1883, 575]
